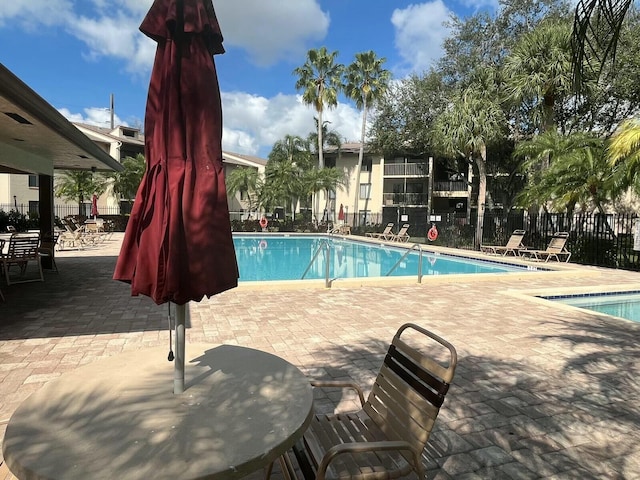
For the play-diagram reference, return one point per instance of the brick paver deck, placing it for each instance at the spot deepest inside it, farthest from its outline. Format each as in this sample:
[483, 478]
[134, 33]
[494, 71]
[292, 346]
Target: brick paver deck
[541, 391]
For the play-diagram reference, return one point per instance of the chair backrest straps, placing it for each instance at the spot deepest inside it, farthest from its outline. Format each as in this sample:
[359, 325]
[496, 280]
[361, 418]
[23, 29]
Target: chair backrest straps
[433, 389]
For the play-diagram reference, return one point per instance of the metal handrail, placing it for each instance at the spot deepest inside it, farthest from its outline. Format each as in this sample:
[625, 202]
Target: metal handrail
[326, 246]
[419, 245]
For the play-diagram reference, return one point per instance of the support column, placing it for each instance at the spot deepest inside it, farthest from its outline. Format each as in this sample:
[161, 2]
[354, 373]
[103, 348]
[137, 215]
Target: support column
[46, 212]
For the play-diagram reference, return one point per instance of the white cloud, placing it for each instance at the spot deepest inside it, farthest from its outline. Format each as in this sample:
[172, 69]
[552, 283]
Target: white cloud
[99, 117]
[420, 32]
[272, 31]
[252, 123]
[31, 14]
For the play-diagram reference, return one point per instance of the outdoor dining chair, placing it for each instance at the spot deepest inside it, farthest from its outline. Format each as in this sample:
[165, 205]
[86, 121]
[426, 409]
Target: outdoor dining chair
[386, 438]
[23, 248]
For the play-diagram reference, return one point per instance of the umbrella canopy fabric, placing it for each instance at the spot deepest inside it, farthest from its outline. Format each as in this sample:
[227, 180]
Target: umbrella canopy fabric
[94, 206]
[178, 245]
[341, 213]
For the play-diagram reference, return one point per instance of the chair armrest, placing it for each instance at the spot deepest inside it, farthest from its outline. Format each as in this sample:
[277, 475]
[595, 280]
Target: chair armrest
[339, 384]
[362, 447]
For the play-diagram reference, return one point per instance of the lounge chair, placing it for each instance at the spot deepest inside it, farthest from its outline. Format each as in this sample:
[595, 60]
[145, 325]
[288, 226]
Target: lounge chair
[556, 250]
[402, 235]
[387, 436]
[514, 245]
[384, 235]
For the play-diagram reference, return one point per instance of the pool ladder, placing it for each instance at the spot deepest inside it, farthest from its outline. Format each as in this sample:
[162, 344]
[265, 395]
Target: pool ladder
[325, 247]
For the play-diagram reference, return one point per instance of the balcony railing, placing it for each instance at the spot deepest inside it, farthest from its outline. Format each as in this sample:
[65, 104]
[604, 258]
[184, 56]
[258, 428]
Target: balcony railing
[405, 169]
[405, 198]
[450, 186]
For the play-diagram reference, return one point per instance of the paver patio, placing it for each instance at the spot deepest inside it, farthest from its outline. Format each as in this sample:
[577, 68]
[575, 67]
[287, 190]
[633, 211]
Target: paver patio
[541, 390]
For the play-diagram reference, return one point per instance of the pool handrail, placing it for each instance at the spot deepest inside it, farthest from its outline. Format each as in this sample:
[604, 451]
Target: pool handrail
[409, 250]
[324, 245]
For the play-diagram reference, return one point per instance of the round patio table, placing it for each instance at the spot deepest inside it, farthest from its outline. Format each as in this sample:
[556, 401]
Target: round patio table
[119, 418]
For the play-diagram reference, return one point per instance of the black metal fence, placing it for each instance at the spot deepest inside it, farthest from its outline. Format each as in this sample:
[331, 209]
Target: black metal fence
[594, 239]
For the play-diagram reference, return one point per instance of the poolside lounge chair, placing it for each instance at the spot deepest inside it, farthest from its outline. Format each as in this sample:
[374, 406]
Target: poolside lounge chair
[514, 245]
[402, 235]
[556, 249]
[384, 235]
[387, 436]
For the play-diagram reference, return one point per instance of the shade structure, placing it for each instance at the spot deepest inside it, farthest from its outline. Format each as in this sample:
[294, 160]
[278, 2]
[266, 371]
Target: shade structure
[341, 213]
[94, 206]
[178, 245]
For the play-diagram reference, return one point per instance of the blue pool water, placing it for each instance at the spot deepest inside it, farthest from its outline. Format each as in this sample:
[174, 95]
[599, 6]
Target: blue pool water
[618, 304]
[264, 258]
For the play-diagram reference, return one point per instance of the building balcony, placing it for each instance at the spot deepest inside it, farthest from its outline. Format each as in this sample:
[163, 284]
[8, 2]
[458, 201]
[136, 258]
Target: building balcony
[405, 170]
[450, 186]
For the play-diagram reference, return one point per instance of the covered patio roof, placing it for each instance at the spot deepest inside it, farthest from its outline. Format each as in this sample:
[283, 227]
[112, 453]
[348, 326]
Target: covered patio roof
[35, 138]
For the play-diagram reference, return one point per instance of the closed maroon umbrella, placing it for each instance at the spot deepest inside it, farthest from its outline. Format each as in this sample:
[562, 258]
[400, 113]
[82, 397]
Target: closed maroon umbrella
[341, 213]
[178, 245]
[94, 206]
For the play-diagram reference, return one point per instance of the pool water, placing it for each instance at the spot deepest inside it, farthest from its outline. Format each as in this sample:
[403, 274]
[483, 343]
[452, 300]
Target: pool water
[618, 304]
[265, 258]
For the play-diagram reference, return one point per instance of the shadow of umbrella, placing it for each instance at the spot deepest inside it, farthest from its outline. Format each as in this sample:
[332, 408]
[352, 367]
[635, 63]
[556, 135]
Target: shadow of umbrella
[178, 245]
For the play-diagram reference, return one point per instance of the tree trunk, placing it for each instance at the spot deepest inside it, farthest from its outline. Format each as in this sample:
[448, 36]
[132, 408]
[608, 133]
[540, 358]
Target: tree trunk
[360, 158]
[481, 162]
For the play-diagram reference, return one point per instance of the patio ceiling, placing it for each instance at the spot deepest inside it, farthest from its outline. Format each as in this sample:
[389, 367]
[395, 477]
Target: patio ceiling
[35, 138]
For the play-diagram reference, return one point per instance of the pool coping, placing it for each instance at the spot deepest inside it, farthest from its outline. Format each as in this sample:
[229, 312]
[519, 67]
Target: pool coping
[539, 296]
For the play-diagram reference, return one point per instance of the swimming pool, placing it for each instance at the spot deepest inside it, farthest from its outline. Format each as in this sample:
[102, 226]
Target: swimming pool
[286, 257]
[618, 304]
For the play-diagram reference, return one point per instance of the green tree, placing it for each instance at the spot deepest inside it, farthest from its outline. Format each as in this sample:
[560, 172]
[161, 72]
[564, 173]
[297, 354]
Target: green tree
[472, 121]
[578, 175]
[320, 81]
[246, 181]
[538, 71]
[126, 183]
[78, 185]
[365, 82]
[624, 151]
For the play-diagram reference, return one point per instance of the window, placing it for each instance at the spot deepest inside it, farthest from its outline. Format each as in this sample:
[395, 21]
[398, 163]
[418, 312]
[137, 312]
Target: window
[332, 194]
[33, 206]
[365, 190]
[367, 164]
[34, 181]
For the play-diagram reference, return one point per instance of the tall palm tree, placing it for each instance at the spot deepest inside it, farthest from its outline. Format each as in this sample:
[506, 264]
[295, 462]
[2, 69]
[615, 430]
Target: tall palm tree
[244, 180]
[472, 121]
[320, 80]
[365, 83]
[539, 70]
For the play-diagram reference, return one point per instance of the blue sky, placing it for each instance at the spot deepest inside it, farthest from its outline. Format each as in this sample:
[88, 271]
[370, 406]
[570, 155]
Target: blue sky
[76, 53]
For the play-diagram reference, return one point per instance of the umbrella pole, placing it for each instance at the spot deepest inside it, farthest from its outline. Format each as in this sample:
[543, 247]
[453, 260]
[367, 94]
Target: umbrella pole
[178, 373]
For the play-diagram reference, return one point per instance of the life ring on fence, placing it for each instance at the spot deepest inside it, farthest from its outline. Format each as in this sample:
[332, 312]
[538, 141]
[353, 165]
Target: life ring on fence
[432, 234]
[264, 222]
[263, 245]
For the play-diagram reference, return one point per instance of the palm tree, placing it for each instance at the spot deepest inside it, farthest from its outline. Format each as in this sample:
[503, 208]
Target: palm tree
[596, 30]
[365, 83]
[472, 121]
[538, 70]
[624, 150]
[126, 183]
[78, 185]
[245, 181]
[579, 172]
[320, 80]
[330, 138]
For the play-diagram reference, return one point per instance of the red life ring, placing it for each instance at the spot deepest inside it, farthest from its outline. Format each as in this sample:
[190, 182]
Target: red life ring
[264, 222]
[432, 234]
[263, 245]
